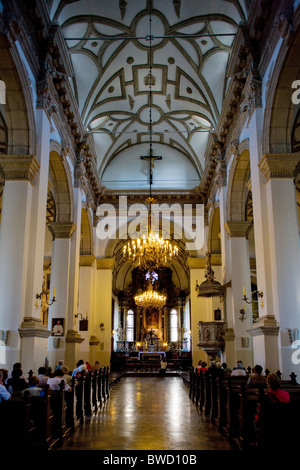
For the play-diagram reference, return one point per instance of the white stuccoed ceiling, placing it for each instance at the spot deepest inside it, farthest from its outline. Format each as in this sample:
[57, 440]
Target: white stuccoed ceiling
[111, 82]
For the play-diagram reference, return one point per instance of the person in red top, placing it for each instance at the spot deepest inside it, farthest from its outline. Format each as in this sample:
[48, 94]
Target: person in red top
[275, 394]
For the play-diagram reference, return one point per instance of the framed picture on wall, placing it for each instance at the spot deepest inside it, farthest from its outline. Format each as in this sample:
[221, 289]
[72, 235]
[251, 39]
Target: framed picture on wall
[57, 326]
[83, 325]
[218, 314]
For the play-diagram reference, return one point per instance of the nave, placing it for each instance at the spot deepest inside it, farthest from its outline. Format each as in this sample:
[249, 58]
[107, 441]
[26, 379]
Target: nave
[147, 413]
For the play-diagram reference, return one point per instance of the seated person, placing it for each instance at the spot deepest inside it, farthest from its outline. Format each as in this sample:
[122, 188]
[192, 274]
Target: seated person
[54, 382]
[275, 394]
[16, 383]
[33, 388]
[80, 369]
[66, 375]
[257, 377]
[17, 365]
[4, 394]
[239, 370]
[43, 378]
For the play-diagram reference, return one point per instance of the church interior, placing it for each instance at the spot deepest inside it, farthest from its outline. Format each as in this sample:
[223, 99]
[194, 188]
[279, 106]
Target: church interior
[150, 187]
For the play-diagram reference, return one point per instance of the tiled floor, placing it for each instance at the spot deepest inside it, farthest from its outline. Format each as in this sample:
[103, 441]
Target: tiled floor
[147, 413]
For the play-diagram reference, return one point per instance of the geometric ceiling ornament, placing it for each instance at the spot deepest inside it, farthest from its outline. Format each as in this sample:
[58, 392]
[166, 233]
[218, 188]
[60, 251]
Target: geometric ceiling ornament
[108, 45]
[114, 89]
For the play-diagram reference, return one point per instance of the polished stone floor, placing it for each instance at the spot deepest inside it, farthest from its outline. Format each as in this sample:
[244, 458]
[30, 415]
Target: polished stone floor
[147, 413]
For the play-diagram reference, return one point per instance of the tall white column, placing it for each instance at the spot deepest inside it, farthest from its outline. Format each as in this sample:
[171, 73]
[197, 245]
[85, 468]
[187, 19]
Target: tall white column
[74, 262]
[199, 307]
[265, 331]
[19, 172]
[229, 355]
[60, 281]
[103, 307]
[33, 333]
[240, 280]
[86, 306]
[283, 227]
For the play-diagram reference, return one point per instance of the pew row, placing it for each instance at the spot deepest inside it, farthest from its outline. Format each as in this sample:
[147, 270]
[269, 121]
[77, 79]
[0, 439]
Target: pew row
[43, 422]
[232, 405]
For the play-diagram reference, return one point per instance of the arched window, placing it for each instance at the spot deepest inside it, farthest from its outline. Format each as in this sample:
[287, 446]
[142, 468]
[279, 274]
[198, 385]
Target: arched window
[130, 325]
[173, 326]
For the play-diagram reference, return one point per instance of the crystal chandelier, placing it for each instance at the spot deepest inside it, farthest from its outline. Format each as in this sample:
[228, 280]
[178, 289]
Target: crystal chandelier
[154, 251]
[150, 298]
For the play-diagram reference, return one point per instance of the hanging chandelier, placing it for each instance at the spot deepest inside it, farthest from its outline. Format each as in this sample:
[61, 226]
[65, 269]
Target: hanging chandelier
[151, 253]
[154, 251]
[150, 299]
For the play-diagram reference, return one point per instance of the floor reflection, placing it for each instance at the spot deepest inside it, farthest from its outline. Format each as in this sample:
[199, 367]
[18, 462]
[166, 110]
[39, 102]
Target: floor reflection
[147, 413]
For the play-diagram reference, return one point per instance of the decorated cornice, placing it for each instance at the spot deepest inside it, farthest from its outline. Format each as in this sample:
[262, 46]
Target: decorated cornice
[45, 50]
[87, 260]
[105, 263]
[19, 167]
[61, 229]
[139, 197]
[238, 229]
[278, 165]
[33, 327]
[245, 87]
[200, 263]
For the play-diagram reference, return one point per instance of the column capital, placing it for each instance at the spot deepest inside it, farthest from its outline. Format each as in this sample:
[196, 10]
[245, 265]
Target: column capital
[279, 165]
[19, 167]
[238, 228]
[105, 263]
[266, 325]
[200, 263]
[73, 336]
[61, 229]
[33, 327]
[87, 260]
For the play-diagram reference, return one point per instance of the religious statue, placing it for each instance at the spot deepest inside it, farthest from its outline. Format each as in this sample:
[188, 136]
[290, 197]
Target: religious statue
[120, 332]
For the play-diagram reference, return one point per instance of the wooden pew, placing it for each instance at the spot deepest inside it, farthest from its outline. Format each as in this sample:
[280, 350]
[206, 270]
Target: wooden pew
[16, 427]
[234, 387]
[88, 395]
[278, 424]
[42, 416]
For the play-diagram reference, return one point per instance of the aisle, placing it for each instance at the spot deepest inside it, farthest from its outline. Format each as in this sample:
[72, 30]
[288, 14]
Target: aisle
[147, 413]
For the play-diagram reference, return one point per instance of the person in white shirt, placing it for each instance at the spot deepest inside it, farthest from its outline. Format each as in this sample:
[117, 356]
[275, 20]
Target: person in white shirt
[239, 370]
[42, 376]
[54, 382]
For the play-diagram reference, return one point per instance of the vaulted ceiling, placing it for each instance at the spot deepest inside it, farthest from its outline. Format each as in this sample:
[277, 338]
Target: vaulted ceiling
[128, 55]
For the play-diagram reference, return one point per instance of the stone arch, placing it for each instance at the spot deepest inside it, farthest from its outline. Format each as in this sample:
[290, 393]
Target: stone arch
[86, 239]
[280, 111]
[18, 107]
[61, 177]
[214, 242]
[238, 180]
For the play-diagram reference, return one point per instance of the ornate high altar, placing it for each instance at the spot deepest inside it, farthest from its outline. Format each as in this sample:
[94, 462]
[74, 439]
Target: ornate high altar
[152, 323]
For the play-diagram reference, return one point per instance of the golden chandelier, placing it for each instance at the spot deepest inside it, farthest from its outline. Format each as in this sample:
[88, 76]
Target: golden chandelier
[150, 298]
[151, 252]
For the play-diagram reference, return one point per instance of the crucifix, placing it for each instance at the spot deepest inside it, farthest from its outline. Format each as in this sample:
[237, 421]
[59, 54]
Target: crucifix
[151, 158]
